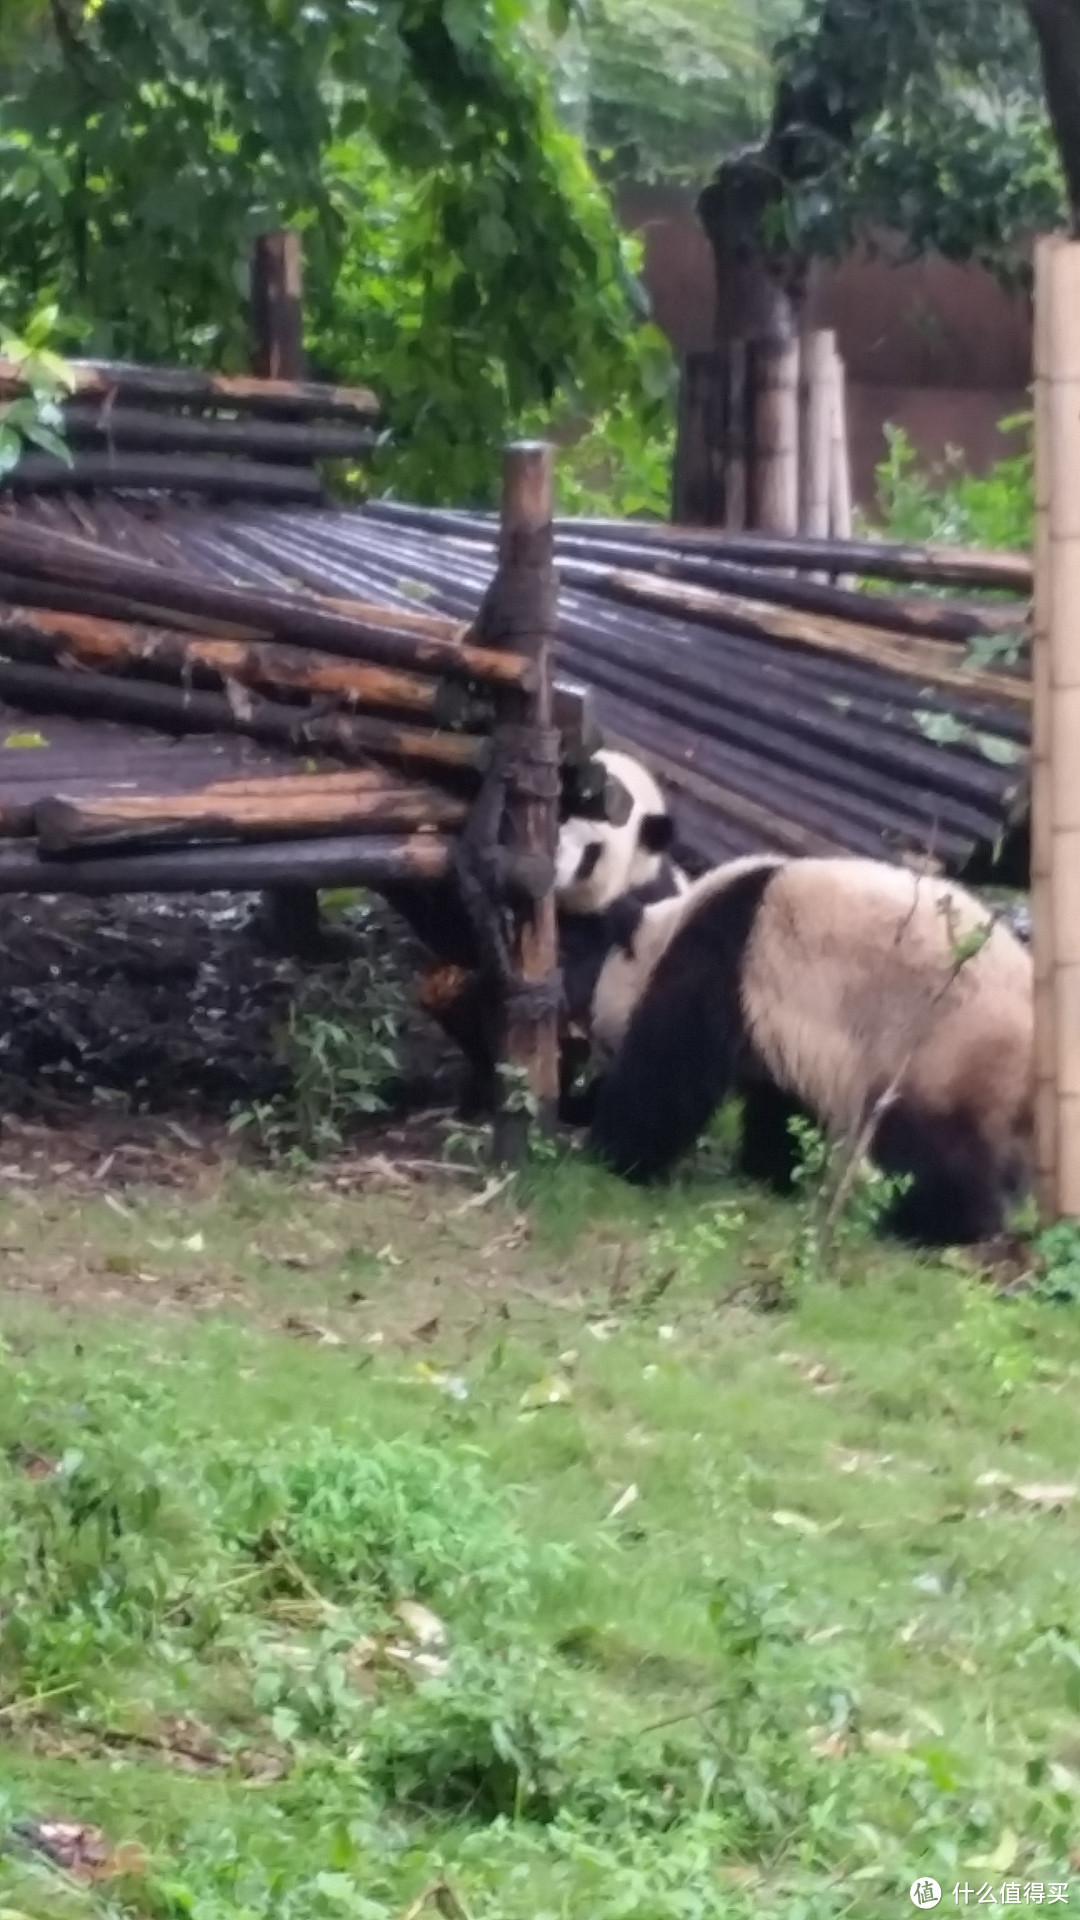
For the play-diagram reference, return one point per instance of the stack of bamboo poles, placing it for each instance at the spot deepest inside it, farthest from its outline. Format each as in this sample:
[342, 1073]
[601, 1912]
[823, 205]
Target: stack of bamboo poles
[763, 439]
[176, 430]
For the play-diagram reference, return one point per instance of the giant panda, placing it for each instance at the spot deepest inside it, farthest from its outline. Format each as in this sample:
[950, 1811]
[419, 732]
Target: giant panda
[811, 986]
[596, 861]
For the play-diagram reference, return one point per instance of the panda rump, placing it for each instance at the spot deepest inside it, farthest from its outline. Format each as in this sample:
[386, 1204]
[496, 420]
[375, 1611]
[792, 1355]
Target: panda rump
[819, 987]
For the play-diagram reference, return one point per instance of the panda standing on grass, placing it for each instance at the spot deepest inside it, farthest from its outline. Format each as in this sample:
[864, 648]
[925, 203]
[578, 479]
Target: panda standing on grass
[814, 987]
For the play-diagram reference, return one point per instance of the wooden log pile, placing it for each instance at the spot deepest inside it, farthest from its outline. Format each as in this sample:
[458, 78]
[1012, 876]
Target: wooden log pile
[211, 435]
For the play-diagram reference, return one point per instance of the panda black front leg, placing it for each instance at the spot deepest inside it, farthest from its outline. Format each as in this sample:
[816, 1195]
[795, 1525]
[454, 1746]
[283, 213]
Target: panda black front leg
[767, 1151]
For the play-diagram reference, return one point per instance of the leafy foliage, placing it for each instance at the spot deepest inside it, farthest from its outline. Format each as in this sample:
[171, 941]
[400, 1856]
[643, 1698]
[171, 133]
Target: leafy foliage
[670, 81]
[33, 418]
[924, 117]
[952, 506]
[461, 256]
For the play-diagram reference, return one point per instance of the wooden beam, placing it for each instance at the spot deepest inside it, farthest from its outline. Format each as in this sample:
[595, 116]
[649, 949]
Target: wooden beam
[369, 861]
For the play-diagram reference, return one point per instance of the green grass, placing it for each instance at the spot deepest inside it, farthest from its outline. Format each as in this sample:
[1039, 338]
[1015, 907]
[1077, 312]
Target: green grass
[754, 1594]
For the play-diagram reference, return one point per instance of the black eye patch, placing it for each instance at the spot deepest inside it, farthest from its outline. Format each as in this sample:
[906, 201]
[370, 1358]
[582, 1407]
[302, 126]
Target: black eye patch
[590, 860]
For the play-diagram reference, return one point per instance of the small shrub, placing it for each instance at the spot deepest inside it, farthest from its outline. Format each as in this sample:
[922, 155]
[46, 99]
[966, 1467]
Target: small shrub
[954, 508]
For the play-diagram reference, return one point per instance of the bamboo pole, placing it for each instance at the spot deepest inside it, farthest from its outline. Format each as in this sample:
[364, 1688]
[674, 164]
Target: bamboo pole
[773, 379]
[1056, 819]
[375, 860]
[816, 407]
[184, 386]
[697, 470]
[735, 438]
[118, 646]
[935, 662]
[119, 822]
[164, 473]
[426, 643]
[89, 423]
[840, 507]
[178, 710]
[522, 614]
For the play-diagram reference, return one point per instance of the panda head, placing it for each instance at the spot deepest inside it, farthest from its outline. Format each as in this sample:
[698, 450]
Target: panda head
[598, 860]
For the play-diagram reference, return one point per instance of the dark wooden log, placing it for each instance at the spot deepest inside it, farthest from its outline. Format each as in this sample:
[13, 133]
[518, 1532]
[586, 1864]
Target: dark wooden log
[875, 559]
[522, 613]
[132, 428]
[277, 305]
[163, 473]
[115, 646]
[184, 386]
[374, 860]
[177, 710]
[425, 643]
[290, 915]
[138, 822]
[19, 589]
[933, 662]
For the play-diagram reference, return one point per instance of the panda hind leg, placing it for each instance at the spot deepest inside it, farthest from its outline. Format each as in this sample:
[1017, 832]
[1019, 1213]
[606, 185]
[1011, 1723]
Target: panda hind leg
[954, 1196]
[766, 1147]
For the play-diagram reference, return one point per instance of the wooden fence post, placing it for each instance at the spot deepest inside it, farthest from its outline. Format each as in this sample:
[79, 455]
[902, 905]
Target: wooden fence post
[525, 607]
[773, 380]
[290, 914]
[1056, 727]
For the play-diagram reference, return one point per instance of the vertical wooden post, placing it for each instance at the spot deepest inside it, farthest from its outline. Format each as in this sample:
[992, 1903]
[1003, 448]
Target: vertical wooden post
[736, 429]
[697, 481]
[816, 386]
[524, 614]
[290, 915]
[1056, 765]
[277, 306]
[773, 381]
[1042, 941]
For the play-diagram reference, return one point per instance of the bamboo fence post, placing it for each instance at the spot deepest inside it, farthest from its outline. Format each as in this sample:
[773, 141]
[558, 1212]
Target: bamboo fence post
[816, 431]
[1056, 761]
[697, 481]
[735, 438]
[841, 519]
[290, 915]
[773, 384]
[524, 610]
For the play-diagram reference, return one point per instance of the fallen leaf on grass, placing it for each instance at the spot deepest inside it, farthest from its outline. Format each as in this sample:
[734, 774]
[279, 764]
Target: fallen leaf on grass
[625, 1500]
[78, 1849]
[550, 1392]
[425, 1626]
[1050, 1496]
[311, 1330]
[487, 1194]
[829, 1746]
[800, 1522]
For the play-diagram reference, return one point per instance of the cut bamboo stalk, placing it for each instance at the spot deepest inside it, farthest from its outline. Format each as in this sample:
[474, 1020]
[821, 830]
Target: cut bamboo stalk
[840, 506]
[735, 438]
[926, 661]
[1058, 693]
[177, 710]
[1042, 911]
[113, 646]
[773, 379]
[138, 822]
[182, 386]
[996, 572]
[79, 563]
[697, 469]
[375, 860]
[163, 473]
[816, 432]
[140, 429]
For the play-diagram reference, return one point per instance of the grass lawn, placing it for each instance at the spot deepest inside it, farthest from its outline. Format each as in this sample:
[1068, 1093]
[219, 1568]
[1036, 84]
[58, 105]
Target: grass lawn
[722, 1596]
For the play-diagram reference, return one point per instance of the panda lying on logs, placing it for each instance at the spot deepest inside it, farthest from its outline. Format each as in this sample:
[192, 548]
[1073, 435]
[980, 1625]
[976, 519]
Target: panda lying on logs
[811, 986]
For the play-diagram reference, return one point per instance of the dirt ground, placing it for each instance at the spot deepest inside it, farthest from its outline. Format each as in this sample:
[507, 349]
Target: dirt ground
[132, 1030]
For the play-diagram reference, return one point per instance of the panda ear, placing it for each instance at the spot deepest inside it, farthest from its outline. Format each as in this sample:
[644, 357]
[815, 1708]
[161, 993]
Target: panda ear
[623, 918]
[657, 831]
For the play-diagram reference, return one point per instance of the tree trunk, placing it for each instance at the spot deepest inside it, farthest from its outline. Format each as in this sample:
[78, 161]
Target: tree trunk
[1057, 29]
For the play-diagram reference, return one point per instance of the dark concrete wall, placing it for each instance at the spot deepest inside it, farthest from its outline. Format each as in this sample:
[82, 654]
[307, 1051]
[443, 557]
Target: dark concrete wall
[940, 350]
